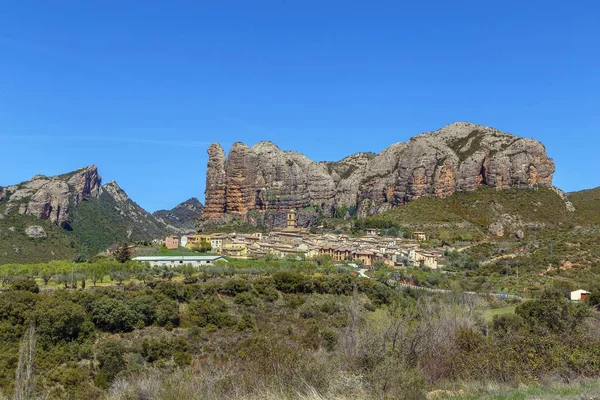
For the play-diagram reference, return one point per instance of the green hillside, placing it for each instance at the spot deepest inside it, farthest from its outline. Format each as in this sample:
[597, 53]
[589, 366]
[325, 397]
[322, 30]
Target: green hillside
[471, 213]
[98, 223]
[587, 203]
[17, 247]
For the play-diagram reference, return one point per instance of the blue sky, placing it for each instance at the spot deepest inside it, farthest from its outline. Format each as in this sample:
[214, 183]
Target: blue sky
[142, 88]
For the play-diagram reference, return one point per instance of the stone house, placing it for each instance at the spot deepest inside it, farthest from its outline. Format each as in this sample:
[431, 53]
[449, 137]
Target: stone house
[217, 241]
[426, 259]
[196, 241]
[366, 257]
[342, 253]
[420, 236]
[327, 250]
[172, 242]
[239, 250]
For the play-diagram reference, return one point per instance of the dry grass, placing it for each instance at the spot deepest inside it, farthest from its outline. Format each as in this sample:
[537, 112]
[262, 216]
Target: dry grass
[217, 385]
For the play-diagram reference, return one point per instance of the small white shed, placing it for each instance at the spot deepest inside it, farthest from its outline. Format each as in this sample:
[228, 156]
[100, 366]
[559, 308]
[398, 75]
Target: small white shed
[579, 295]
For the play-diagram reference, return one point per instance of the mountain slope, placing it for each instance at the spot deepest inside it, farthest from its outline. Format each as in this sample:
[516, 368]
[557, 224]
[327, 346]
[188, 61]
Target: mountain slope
[587, 203]
[458, 157]
[18, 247]
[78, 214]
[183, 217]
[113, 217]
[483, 212]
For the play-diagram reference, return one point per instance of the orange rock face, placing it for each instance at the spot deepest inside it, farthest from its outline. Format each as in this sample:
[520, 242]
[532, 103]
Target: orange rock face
[458, 157]
[216, 183]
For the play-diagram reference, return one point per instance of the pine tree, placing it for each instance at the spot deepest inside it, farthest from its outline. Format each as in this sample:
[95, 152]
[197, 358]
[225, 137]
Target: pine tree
[122, 254]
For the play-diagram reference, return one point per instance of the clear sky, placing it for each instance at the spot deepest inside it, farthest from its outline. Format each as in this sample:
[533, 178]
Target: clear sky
[142, 88]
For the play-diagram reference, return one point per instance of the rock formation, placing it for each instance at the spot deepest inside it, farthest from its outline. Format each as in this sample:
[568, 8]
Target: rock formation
[35, 231]
[53, 198]
[59, 199]
[457, 157]
[184, 216]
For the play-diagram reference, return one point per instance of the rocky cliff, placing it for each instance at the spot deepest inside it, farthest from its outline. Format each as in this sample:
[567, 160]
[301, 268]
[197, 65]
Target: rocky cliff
[183, 217]
[459, 157]
[94, 215]
[52, 198]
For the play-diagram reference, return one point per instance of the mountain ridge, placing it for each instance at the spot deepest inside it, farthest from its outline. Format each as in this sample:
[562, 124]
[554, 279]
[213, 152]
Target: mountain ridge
[183, 216]
[92, 215]
[458, 157]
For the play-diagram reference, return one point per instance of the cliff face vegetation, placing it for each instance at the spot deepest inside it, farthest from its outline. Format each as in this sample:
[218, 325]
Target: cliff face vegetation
[458, 157]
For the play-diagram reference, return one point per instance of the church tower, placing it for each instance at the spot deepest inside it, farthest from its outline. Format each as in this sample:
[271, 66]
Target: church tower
[291, 219]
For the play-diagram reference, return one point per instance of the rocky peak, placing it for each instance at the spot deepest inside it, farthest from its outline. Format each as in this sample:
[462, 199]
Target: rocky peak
[116, 192]
[459, 156]
[216, 182]
[51, 198]
[184, 216]
[192, 204]
[85, 182]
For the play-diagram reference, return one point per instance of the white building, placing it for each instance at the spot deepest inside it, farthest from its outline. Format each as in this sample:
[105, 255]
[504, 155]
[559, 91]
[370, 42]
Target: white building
[183, 241]
[175, 261]
[579, 295]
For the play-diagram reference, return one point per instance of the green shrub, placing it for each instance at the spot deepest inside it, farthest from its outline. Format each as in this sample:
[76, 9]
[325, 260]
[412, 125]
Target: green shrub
[330, 339]
[167, 311]
[112, 315]
[25, 284]
[246, 299]
[109, 354]
[211, 310]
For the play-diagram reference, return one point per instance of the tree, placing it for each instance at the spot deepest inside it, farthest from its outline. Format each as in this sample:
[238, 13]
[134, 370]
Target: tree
[98, 271]
[112, 315]
[110, 357]
[59, 320]
[25, 284]
[47, 272]
[123, 253]
[553, 312]
[119, 275]
[167, 311]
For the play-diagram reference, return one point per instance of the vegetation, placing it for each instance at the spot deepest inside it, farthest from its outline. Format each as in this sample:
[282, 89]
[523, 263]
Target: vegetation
[310, 329]
[17, 247]
[274, 329]
[96, 225]
[472, 212]
[587, 203]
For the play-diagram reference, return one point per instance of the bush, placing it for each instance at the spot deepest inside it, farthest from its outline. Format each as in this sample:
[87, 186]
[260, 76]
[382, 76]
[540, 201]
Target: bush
[235, 286]
[112, 315]
[167, 311]
[59, 320]
[245, 298]
[173, 290]
[330, 339]
[552, 313]
[110, 358]
[507, 323]
[25, 284]
[160, 349]
[145, 306]
[211, 311]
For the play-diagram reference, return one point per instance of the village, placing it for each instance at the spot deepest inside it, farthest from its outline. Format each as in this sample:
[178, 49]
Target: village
[293, 242]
